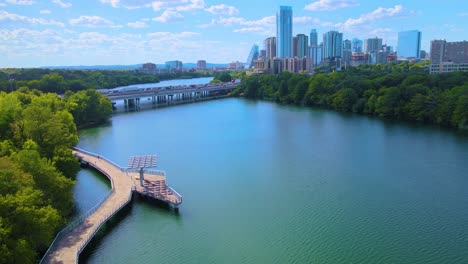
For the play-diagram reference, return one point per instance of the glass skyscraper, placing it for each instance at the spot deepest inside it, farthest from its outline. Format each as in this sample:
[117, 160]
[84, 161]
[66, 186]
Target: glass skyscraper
[332, 45]
[409, 44]
[284, 39]
[313, 38]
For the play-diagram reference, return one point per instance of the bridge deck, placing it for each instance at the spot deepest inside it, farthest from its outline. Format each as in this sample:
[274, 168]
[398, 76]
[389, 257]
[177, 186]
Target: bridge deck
[72, 240]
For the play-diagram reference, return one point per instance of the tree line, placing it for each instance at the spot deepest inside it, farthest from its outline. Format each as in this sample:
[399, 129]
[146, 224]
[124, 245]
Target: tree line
[37, 167]
[398, 91]
[59, 81]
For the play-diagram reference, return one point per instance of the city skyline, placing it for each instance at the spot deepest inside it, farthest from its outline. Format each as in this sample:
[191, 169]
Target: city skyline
[59, 32]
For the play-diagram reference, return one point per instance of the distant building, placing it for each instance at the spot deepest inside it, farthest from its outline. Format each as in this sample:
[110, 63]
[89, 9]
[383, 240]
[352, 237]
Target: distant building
[423, 54]
[347, 44]
[201, 65]
[235, 65]
[447, 67]
[253, 55]
[270, 47]
[356, 45]
[262, 53]
[149, 68]
[332, 45]
[302, 45]
[359, 58]
[313, 38]
[443, 51]
[409, 44]
[372, 44]
[284, 30]
[174, 65]
[294, 47]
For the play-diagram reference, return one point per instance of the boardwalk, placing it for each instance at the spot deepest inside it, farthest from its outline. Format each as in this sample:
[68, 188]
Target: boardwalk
[69, 242]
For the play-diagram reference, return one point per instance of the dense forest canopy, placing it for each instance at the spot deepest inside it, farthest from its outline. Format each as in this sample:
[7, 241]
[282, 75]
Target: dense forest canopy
[59, 81]
[37, 167]
[398, 91]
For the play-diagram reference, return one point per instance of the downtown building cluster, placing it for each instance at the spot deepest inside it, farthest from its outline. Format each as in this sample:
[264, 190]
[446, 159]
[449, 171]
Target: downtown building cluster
[303, 53]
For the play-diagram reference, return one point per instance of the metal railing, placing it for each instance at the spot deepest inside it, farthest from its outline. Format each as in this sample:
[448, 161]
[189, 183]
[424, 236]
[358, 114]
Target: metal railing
[103, 220]
[80, 219]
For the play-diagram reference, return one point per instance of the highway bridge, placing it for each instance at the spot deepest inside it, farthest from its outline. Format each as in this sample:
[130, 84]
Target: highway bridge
[171, 94]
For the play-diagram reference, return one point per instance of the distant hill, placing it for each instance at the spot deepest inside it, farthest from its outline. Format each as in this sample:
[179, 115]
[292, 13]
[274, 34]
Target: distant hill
[187, 65]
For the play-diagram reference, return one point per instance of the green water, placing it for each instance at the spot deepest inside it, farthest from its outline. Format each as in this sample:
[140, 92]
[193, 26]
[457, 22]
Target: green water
[265, 183]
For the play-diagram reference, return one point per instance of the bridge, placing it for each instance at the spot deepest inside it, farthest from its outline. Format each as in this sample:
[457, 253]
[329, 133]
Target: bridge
[172, 94]
[70, 241]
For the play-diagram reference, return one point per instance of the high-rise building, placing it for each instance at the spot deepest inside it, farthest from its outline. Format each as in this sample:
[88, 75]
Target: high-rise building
[270, 47]
[332, 45]
[372, 44]
[201, 65]
[347, 52]
[443, 51]
[313, 38]
[284, 28]
[409, 44]
[302, 45]
[174, 65]
[356, 45]
[262, 53]
[253, 55]
[294, 47]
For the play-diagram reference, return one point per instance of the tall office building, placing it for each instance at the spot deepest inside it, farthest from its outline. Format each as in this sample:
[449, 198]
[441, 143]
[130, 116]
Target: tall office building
[302, 45]
[332, 45]
[294, 47]
[372, 44]
[270, 47]
[347, 52]
[201, 65]
[284, 39]
[409, 44]
[253, 55]
[356, 45]
[313, 38]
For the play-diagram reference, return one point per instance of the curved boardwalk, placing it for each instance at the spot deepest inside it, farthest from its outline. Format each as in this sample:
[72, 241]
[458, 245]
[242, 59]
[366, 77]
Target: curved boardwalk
[67, 247]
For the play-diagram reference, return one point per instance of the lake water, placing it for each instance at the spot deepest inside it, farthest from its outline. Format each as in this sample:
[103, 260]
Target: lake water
[266, 183]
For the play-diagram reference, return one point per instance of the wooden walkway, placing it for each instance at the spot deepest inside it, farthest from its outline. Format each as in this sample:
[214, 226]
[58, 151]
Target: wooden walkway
[70, 241]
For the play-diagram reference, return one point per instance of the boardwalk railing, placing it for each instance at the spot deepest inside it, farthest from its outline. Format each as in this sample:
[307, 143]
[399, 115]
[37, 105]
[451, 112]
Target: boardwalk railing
[100, 157]
[80, 219]
[100, 223]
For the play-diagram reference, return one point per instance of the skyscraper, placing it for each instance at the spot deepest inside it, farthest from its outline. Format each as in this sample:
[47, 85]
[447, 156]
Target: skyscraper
[302, 45]
[294, 47]
[253, 55]
[284, 40]
[372, 44]
[409, 44]
[347, 52]
[332, 45]
[270, 47]
[356, 45]
[313, 38]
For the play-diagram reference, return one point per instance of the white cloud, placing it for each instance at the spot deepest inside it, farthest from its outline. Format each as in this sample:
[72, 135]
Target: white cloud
[256, 30]
[129, 4]
[45, 12]
[62, 4]
[222, 10]
[2, 4]
[463, 14]
[169, 16]
[92, 21]
[158, 5]
[20, 2]
[377, 14]
[322, 5]
[167, 36]
[229, 21]
[6, 17]
[137, 24]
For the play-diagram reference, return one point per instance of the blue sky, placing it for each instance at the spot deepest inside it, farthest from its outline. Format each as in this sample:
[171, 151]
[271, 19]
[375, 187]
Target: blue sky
[88, 32]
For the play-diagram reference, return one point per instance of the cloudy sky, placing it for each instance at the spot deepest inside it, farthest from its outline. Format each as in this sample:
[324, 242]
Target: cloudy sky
[89, 32]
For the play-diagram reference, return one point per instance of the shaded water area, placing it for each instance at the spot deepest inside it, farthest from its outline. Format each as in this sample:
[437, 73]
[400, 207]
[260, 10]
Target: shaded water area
[266, 183]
